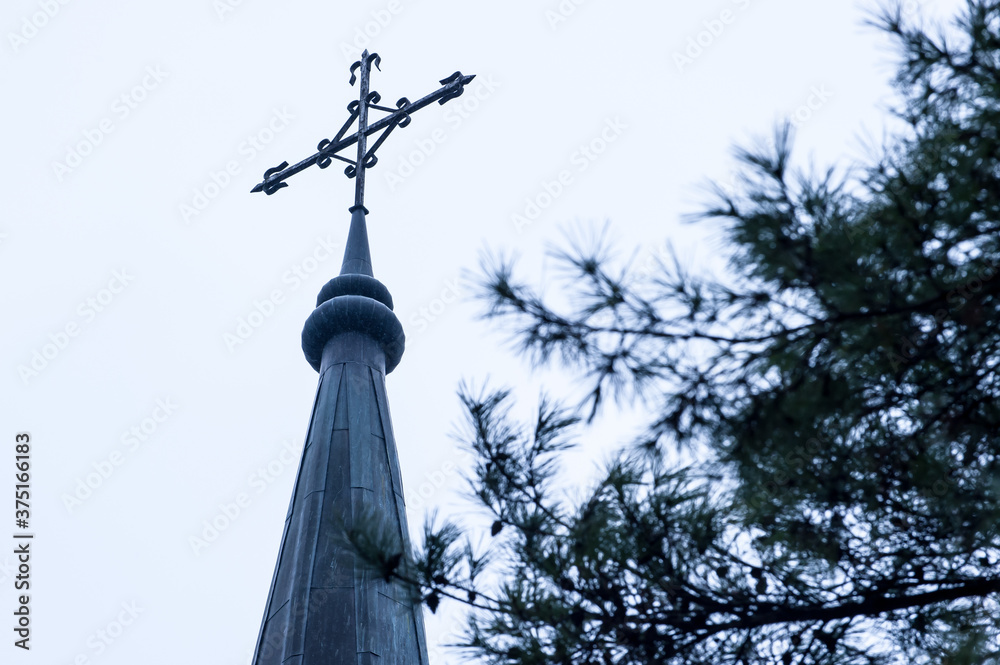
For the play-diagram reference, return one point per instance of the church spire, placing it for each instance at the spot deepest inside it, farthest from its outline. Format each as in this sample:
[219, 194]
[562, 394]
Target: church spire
[325, 606]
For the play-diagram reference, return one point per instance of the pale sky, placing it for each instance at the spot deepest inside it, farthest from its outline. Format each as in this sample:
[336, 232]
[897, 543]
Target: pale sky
[153, 307]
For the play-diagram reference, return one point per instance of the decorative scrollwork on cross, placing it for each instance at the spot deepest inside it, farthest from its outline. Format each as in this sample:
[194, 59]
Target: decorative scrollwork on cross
[329, 149]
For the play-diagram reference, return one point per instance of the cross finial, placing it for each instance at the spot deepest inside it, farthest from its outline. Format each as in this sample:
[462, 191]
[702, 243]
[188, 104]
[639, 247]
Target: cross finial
[328, 149]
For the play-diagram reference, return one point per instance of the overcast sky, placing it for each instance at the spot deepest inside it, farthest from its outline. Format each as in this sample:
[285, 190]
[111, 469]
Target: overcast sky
[153, 307]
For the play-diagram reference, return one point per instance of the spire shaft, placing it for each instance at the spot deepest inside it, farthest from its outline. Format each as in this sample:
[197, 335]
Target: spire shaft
[357, 256]
[325, 606]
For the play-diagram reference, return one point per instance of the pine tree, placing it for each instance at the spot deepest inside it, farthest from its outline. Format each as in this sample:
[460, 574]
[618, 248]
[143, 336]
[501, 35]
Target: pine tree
[834, 401]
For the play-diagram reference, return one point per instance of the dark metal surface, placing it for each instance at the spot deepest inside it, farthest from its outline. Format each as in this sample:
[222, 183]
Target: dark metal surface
[324, 607]
[328, 149]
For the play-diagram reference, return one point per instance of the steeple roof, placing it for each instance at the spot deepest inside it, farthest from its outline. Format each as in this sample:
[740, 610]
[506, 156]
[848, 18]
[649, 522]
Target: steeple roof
[324, 606]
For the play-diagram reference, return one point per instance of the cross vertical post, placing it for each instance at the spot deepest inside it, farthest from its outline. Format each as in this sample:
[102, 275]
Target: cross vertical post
[359, 184]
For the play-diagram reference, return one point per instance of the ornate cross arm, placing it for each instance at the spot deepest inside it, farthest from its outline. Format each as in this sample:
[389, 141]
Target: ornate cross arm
[328, 149]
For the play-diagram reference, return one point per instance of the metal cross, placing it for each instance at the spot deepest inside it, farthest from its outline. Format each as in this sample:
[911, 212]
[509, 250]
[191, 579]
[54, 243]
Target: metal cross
[452, 86]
